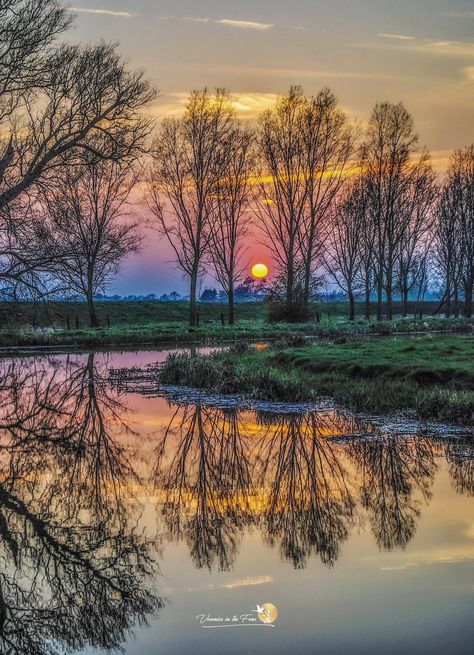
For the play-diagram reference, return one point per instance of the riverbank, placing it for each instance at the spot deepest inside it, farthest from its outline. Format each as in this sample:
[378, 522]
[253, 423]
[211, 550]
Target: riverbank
[432, 377]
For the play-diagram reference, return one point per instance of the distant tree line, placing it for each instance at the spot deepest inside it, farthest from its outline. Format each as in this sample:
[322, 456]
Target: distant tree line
[361, 210]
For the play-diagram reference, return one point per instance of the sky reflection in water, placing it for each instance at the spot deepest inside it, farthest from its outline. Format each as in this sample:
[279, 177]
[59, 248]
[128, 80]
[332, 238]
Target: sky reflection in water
[123, 517]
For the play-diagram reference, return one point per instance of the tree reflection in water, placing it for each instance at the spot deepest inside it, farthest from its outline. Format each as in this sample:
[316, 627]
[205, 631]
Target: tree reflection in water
[77, 570]
[389, 472]
[290, 476]
[75, 566]
[203, 469]
[460, 455]
[309, 507]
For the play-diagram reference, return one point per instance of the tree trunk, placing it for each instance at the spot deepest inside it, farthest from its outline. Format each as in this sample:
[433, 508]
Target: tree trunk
[289, 287]
[93, 320]
[389, 294]
[379, 299]
[367, 298]
[468, 298]
[405, 300]
[351, 305]
[231, 304]
[192, 300]
[456, 300]
[448, 297]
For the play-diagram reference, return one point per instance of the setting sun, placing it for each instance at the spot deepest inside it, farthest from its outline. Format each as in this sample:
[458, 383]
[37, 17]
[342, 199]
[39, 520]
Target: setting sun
[260, 271]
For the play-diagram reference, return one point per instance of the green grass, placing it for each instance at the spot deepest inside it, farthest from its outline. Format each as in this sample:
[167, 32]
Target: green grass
[154, 323]
[432, 376]
[54, 314]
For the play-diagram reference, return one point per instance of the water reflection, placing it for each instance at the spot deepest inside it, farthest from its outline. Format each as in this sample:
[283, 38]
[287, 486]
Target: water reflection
[460, 455]
[79, 569]
[74, 563]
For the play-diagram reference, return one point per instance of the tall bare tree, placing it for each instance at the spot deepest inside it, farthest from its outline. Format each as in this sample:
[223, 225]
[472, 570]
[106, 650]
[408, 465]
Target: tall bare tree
[328, 141]
[89, 223]
[53, 98]
[455, 232]
[448, 257]
[282, 188]
[388, 152]
[343, 259]
[188, 164]
[417, 236]
[304, 144]
[230, 216]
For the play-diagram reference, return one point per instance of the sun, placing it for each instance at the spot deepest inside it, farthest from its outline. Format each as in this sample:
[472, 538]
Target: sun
[260, 271]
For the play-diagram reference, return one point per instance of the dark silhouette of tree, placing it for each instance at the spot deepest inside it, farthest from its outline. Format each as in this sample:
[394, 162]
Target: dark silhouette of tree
[391, 170]
[55, 100]
[455, 231]
[460, 456]
[89, 221]
[304, 145]
[76, 566]
[188, 163]
[230, 216]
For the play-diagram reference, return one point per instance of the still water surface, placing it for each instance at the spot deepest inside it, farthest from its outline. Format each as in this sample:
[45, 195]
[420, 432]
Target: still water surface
[123, 517]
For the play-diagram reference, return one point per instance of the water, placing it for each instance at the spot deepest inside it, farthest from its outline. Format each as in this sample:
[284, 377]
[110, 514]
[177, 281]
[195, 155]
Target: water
[123, 517]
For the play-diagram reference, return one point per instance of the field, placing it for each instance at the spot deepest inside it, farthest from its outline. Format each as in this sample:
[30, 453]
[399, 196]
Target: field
[64, 324]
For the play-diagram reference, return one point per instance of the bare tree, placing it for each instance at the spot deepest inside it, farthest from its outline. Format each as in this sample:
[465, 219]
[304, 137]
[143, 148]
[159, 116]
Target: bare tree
[417, 236]
[344, 257]
[304, 146]
[188, 164]
[388, 152]
[448, 256]
[327, 143]
[230, 215]
[53, 99]
[458, 211]
[282, 188]
[89, 224]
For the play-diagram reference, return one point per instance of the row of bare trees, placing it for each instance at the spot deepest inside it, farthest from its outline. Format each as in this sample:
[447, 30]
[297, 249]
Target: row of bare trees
[362, 208]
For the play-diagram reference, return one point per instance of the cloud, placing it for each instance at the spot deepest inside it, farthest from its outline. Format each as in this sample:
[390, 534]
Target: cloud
[457, 14]
[398, 37]
[448, 48]
[251, 105]
[233, 584]
[103, 12]
[228, 22]
[244, 24]
[247, 105]
[469, 72]
[425, 46]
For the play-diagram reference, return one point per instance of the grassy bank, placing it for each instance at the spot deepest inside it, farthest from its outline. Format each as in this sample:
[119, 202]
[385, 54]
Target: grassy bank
[432, 376]
[155, 323]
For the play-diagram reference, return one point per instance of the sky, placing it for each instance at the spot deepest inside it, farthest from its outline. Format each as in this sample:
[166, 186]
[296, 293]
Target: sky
[420, 52]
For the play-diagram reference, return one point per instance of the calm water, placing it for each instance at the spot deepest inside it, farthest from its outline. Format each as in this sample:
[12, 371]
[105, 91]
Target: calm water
[124, 517]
